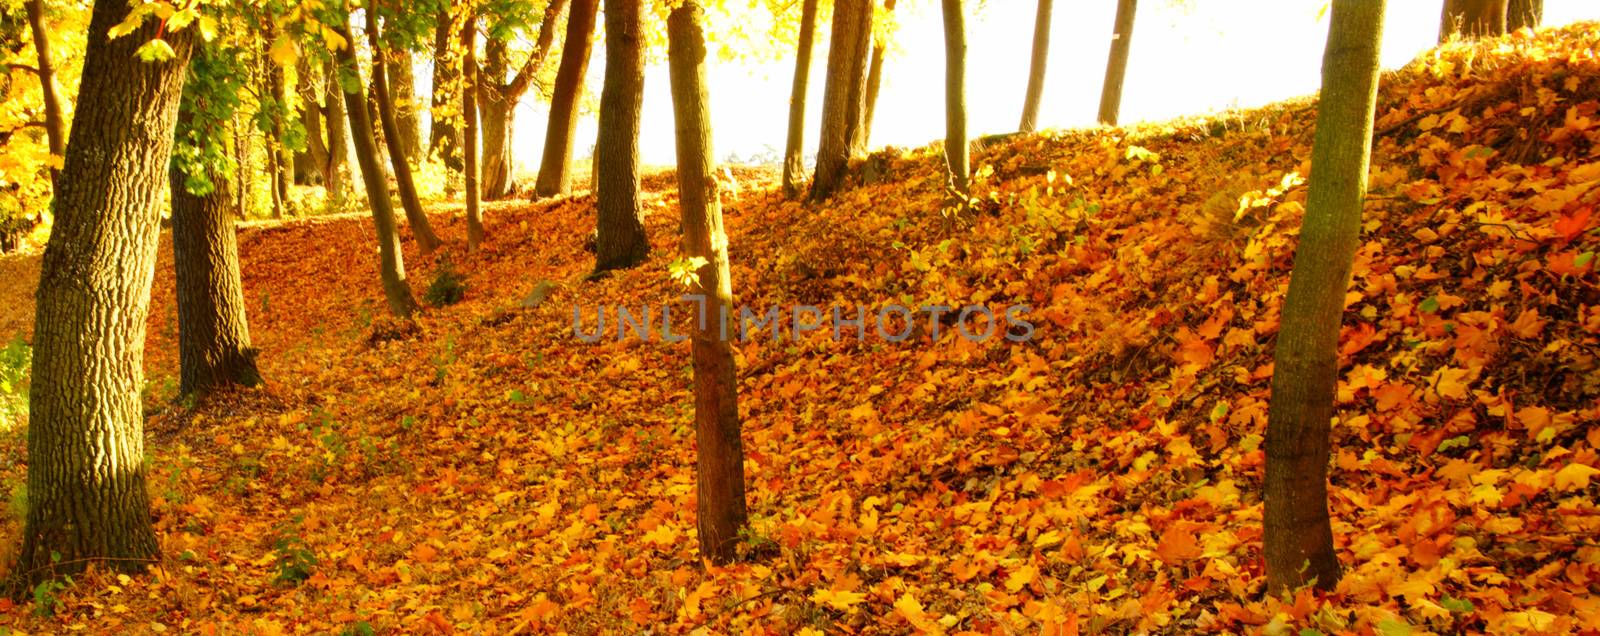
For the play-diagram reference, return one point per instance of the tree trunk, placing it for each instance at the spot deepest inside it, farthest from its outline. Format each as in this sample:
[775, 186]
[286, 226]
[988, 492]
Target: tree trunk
[1524, 13]
[856, 122]
[391, 263]
[1036, 71]
[402, 80]
[280, 156]
[316, 155]
[444, 135]
[55, 127]
[469, 146]
[620, 240]
[1472, 19]
[496, 116]
[874, 81]
[719, 469]
[554, 168]
[1298, 535]
[1117, 65]
[213, 334]
[421, 229]
[794, 163]
[955, 95]
[844, 82]
[333, 174]
[86, 487]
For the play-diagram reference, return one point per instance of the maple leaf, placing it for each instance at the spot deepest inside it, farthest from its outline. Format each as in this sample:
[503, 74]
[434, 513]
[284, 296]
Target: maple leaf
[1574, 476]
[839, 600]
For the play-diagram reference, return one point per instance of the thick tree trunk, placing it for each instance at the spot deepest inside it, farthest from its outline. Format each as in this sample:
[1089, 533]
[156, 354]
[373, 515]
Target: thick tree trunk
[86, 488]
[315, 157]
[421, 229]
[469, 146]
[1036, 70]
[1117, 64]
[444, 136]
[719, 470]
[213, 334]
[496, 116]
[794, 163]
[555, 175]
[55, 127]
[403, 97]
[1524, 13]
[1472, 19]
[391, 263]
[845, 82]
[620, 240]
[1298, 535]
[955, 94]
[333, 172]
[856, 122]
[874, 82]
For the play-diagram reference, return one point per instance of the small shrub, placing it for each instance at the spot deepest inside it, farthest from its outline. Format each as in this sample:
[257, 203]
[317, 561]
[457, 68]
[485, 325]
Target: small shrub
[447, 288]
[16, 361]
[295, 560]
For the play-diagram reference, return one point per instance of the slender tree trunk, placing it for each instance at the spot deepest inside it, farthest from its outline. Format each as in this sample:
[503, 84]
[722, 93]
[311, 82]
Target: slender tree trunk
[794, 163]
[213, 334]
[444, 136]
[86, 488]
[844, 82]
[719, 470]
[955, 94]
[333, 174]
[1524, 13]
[620, 240]
[1472, 19]
[1036, 71]
[874, 82]
[316, 155]
[403, 96]
[496, 117]
[1298, 535]
[55, 127]
[421, 229]
[1117, 65]
[391, 263]
[242, 168]
[282, 158]
[856, 122]
[469, 110]
[555, 176]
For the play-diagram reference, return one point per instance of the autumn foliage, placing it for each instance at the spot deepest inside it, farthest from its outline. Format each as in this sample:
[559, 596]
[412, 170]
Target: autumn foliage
[484, 471]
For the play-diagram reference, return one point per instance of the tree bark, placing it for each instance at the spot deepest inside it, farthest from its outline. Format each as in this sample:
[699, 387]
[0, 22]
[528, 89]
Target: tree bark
[55, 127]
[856, 123]
[955, 95]
[1472, 19]
[555, 175]
[86, 478]
[874, 82]
[280, 155]
[719, 469]
[444, 136]
[620, 238]
[213, 333]
[315, 158]
[333, 173]
[1298, 535]
[844, 83]
[1036, 70]
[391, 263]
[794, 164]
[469, 137]
[402, 82]
[1117, 64]
[1524, 13]
[498, 99]
[421, 229]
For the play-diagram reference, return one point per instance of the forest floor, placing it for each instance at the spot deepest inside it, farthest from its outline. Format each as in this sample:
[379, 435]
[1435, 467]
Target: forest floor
[489, 472]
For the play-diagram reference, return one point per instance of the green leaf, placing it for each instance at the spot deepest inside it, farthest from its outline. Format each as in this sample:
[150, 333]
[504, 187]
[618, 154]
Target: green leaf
[1457, 605]
[1430, 305]
[1394, 628]
[1583, 259]
[156, 51]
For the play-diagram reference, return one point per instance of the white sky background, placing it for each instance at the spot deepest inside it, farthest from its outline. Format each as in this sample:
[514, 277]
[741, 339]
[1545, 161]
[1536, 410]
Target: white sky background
[1215, 55]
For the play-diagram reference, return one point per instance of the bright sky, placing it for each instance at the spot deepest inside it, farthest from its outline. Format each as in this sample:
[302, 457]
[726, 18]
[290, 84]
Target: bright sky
[1215, 55]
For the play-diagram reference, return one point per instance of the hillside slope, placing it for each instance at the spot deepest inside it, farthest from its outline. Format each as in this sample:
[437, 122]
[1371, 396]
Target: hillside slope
[491, 472]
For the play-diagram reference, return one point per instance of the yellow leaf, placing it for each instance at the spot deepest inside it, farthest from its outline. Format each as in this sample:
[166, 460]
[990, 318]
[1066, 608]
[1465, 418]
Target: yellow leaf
[838, 600]
[284, 51]
[1574, 476]
[1021, 578]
